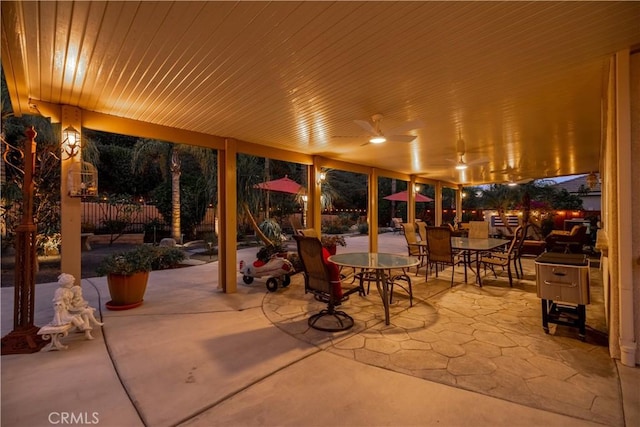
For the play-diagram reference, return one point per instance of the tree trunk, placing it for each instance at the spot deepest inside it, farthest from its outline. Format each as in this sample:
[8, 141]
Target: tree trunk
[175, 197]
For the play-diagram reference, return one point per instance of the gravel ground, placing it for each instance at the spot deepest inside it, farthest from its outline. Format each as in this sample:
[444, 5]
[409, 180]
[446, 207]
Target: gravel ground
[49, 267]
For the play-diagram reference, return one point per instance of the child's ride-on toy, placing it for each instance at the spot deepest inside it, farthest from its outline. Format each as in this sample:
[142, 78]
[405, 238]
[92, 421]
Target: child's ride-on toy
[272, 262]
[277, 269]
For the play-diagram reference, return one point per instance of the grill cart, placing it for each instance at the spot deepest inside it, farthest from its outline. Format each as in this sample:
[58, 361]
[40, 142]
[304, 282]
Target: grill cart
[563, 285]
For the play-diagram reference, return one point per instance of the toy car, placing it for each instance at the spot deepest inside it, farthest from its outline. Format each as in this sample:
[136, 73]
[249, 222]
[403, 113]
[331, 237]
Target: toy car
[277, 269]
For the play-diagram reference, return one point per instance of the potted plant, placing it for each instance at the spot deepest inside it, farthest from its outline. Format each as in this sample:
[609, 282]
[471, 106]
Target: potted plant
[330, 241]
[128, 272]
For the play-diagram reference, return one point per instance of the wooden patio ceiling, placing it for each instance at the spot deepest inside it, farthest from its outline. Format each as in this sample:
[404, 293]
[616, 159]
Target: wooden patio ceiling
[521, 83]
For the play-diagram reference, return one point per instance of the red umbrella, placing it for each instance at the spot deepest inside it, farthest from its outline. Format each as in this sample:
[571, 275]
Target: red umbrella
[282, 185]
[402, 196]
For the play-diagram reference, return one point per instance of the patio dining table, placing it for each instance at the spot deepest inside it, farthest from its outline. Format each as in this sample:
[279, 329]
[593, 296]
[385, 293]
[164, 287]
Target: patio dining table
[470, 246]
[379, 263]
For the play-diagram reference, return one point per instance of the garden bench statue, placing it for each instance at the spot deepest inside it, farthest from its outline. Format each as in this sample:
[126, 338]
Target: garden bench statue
[71, 311]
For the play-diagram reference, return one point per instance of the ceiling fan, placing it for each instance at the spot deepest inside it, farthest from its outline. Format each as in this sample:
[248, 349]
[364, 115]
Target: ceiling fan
[392, 135]
[513, 179]
[514, 175]
[460, 163]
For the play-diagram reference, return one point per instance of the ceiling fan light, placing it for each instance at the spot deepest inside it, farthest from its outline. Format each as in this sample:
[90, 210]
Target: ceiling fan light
[377, 139]
[461, 166]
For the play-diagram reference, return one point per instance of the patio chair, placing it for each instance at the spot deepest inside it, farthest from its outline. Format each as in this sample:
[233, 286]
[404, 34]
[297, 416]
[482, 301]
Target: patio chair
[478, 230]
[440, 250]
[517, 256]
[296, 225]
[308, 232]
[504, 259]
[403, 281]
[396, 224]
[422, 230]
[567, 241]
[322, 279]
[420, 252]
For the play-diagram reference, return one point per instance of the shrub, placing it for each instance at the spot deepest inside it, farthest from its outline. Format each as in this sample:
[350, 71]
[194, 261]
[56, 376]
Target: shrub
[272, 230]
[363, 228]
[142, 258]
[165, 257]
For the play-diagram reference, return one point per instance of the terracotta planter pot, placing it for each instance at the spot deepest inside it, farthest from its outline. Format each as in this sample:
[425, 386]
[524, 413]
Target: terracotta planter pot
[127, 291]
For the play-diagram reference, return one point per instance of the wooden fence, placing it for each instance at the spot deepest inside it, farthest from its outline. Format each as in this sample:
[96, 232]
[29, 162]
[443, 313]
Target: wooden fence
[94, 214]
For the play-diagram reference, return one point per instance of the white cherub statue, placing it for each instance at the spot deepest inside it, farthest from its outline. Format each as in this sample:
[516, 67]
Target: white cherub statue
[71, 307]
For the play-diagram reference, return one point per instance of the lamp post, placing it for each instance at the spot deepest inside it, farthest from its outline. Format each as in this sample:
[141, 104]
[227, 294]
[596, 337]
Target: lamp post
[24, 337]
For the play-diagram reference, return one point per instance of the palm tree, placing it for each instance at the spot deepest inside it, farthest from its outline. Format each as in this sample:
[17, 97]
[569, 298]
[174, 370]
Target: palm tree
[250, 170]
[168, 157]
[501, 198]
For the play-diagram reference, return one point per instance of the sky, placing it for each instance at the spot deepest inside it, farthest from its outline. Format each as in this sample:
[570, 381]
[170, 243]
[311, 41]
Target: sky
[566, 178]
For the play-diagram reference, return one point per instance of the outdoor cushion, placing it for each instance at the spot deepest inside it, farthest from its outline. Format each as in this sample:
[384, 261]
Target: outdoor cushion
[334, 273]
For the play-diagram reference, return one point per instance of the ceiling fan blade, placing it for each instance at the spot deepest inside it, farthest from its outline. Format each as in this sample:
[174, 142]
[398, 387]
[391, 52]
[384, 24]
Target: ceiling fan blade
[366, 126]
[519, 181]
[406, 127]
[504, 171]
[480, 161]
[401, 138]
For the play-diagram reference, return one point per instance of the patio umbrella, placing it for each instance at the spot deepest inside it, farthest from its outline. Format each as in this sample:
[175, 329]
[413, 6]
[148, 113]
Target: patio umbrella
[402, 196]
[282, 185]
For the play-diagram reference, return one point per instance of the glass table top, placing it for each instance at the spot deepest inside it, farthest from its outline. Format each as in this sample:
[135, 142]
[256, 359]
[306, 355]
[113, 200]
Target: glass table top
[374, 260]
[470, 244]
[477, 244]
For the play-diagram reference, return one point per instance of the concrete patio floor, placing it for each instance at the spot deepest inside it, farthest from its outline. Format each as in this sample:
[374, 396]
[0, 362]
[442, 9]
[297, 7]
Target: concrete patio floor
[194, 356]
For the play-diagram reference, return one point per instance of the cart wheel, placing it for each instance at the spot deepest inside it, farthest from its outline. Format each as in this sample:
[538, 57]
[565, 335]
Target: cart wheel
[272, 285]
[286, 281]
[247, 279]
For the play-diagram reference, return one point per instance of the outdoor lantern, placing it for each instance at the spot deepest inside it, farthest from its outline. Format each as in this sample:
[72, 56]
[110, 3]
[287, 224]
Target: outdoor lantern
[592, 180]
[71, 141]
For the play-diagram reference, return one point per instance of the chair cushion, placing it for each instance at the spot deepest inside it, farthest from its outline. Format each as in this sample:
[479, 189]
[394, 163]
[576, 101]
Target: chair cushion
[334, 273]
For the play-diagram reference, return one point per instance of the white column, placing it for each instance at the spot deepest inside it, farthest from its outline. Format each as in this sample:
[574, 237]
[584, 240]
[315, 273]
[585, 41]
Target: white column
[70, 207]
[628, 345]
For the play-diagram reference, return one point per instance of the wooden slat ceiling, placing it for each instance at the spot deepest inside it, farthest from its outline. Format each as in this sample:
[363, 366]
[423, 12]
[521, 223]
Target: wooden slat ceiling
[521, 83]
